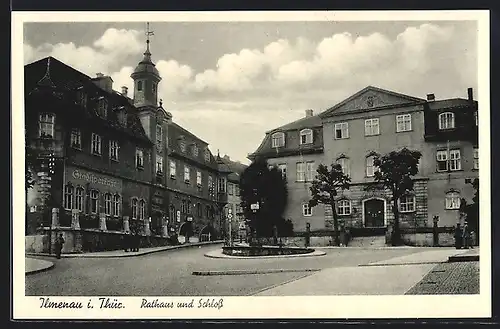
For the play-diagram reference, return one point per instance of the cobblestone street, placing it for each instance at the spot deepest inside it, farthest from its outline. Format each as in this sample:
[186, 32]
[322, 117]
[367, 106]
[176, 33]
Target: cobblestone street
[449, 278]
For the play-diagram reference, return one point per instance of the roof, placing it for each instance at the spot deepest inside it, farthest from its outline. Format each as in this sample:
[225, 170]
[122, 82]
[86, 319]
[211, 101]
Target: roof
[51, 72]
[449, 103]
[338, 106]
[307, 122]
[235, 168]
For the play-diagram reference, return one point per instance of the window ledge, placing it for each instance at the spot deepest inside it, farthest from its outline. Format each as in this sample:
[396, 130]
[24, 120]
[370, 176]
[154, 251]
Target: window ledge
[114, 160]
[404, 131]
[407, 212]
[76, 147]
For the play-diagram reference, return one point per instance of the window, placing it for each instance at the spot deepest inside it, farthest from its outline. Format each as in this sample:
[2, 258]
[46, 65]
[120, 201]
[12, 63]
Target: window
[344, 207]
[189, 208]
[341, 130]
[46, 125]
[407, 203]
[107, 204]
[116, 205]
[139, 85]
[68, 196]
[282, 168]
[452, 200]
[76, 138]
[81, 98]
[182, 145]
[476, 118]
[230, 188]
[222, 184]
[211, 185]
[195, 150]
[113, 150]
[159, 165]
[172, 169]
[310, 171]
[455, 163]
[142, 210]
[237, 190]
[306, 210]
[344, 163]
[184, 206]
[403, 122]
[370, 166]
[96, 144]
[446, 120]
[122, 117]
[199, 210]
[306, 136]
[102, 107]
[442, 160]
[154, 88]
[207, 155]
[159, 135]
[139, 158]
[134, 206]
[94, 202]
[79, 198]
[278, 139]
[187, 173]
[198, 178]
[301, 171]
[372, 127]
[475, 163]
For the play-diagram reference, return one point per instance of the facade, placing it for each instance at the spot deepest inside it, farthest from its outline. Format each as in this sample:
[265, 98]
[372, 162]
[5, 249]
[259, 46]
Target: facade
[115, 162]
[374, 122]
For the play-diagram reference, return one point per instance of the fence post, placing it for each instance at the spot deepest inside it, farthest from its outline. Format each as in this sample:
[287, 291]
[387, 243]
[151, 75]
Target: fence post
[102, 222]
[75, 219]
[435, 233]
[55, 217]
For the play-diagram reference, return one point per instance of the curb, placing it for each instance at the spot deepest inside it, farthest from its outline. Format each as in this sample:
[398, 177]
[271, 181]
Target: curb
[401, 264]
[373, 248]
[246, 272]
[221, 255]
[131, 254]
[463, 258]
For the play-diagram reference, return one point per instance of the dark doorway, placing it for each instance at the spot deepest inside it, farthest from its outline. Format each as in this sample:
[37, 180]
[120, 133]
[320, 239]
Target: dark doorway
[374, 213]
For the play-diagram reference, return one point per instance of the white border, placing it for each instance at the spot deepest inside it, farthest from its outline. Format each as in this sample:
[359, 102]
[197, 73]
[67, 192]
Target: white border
[455, 306]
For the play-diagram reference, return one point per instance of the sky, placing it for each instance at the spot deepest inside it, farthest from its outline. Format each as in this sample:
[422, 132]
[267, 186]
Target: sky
[230, 82]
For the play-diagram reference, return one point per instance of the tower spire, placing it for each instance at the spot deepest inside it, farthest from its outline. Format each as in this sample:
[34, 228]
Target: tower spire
[147, 54]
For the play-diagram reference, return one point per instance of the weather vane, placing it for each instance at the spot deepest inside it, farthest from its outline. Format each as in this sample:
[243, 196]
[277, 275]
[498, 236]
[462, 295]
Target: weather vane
[148, 34]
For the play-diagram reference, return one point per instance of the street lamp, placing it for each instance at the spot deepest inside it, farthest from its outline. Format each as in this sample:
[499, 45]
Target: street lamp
[230, 217]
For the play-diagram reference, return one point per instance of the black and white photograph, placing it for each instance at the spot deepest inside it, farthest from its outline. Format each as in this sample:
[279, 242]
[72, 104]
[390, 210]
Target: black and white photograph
[216, 166]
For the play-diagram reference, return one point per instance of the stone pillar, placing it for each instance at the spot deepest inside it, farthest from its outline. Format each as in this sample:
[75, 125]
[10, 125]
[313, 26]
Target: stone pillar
[75, 219]
[147, 230]
[126, 224]
[102, 222]
[55, 217]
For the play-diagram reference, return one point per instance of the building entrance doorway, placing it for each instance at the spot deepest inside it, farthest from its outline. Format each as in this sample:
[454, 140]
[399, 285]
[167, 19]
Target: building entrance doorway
[374, 212]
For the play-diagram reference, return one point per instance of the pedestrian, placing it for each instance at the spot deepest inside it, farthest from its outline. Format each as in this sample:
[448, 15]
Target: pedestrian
[458, 236]
[59, 245]
[137, 242]
[466, 236]
[126, 241]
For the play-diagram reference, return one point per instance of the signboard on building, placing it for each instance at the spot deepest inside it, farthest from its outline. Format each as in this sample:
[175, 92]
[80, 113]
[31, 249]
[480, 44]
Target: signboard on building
[78, 176]
[178, 215]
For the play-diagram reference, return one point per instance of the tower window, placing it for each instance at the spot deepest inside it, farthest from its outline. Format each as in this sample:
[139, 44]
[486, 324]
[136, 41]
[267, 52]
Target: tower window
[139, 85]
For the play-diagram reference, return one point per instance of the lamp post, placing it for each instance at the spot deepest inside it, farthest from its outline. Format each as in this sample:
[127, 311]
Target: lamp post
[254, 207]
[230, 217]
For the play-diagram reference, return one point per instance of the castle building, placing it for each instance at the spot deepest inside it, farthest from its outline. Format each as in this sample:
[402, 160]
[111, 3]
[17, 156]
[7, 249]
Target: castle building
[374, 122]
[113, 162]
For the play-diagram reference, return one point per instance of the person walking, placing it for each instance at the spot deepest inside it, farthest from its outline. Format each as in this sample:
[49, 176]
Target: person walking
[59, 245]
[458, 236]
[466, 236]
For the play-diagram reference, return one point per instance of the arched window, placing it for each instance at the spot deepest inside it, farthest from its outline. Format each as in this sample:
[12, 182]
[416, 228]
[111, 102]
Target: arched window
[407, 203]
[68, 196]
[94, 202]
[452, 200]
[447, 120]
[116, 205]
[278, 139]
[345, 164]
[134, 205]
[107, 204]
[344, 207]
[306, 136]
[142, 209]
[79, 198]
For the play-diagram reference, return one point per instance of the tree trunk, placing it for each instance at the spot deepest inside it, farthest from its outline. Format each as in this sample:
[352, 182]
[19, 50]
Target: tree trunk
[396, 234]
[335, 225]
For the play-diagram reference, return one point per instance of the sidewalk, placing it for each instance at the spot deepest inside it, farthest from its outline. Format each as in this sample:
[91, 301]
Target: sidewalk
[394, 276]
[469, 255]
[33, 265]
[121, 253]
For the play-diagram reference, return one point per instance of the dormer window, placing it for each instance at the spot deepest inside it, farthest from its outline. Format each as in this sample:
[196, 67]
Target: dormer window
[122, 117]
[306, 136]
[139, 158]
[278, 139]
[195, 150]
[81, 98]
[446, 120]
[182, 144]
[207, 155]
[102, 107]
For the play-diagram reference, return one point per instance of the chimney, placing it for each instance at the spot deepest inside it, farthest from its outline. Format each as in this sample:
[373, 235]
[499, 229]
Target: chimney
[124, 91]
[309, 113]
[431, 97]
[470, 94]
[104, 82]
